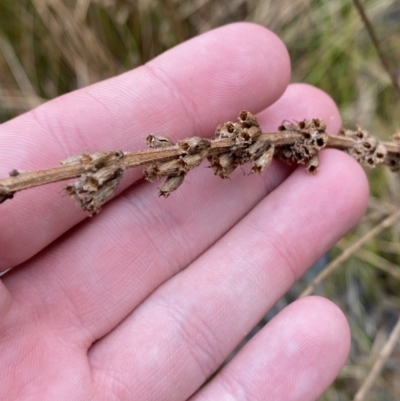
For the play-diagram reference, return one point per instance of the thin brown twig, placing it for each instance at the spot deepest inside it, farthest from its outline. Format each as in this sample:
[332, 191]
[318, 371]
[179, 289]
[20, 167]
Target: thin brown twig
[384, 60]
[379, 364]
[130, 160]
[33, 179]
[99, 174]
[336, 263]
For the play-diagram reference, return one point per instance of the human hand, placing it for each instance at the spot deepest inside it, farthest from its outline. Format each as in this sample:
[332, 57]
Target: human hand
[147, 299]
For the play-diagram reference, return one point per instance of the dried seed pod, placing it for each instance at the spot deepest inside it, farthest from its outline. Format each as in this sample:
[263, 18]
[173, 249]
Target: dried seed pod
[304, 148]
[314, 124]
[285, 154]
[319, 141]
[171, 184]
[304, 127]
[227, 130]
[254, 151]
[263, 161]
[92, 190]
[169, 168]
[94, 161]
[312, 165]
[393, 161]
[91, 182]
[248, 135]
[248, 119]
[152, 173]
[193, 145]
[163, 169]
[155, 142]
[312, 139]
[379, 154]
[77, 159]
[396, 137]
[223, 164]
[367, 149]
[188, 162]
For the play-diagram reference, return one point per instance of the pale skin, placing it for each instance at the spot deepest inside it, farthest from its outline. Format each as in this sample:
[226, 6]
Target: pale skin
[147, 299]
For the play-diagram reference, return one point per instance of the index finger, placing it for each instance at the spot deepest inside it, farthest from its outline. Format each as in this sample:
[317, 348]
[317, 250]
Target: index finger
[186, 91]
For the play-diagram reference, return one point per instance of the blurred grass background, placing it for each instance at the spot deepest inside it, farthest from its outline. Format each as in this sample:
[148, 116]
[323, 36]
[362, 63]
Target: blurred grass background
[50, 47]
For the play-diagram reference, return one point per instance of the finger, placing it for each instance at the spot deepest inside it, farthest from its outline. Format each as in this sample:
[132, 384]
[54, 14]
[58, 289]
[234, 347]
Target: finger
[192, 322]
[186, 91]
[5, 302]
[103, 271]
[294, 358]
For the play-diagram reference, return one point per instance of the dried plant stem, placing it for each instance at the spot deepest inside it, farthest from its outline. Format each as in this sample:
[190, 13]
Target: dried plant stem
[379, 364]
[349, 251]
[373, 259]
[141, 158]
[129, 160]
[370, 29]
[99, 174]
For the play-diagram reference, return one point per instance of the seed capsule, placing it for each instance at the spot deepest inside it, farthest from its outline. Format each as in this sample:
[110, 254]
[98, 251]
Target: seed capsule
[155, 142]
[193, 145]
[264, 160]
[171, 184]
[223, 165]
[248, 119]
[312, 165]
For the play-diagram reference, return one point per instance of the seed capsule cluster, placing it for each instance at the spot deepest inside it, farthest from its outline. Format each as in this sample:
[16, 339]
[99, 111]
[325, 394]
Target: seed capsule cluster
[367, 149]
[245, 146]
[305, 149]
[95, 187]
[191, 152]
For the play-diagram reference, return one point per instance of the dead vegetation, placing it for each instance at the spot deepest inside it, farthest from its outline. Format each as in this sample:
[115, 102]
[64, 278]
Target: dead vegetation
[235, 144]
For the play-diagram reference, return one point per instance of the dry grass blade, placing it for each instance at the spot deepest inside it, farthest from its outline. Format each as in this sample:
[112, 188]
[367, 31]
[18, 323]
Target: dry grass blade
[178, 28]
[375, 41]
[73, 37]
[373, 259]
[81, 9]
[378, 365]
[19, 103]
[335, 264]
[188, 8]
[19, 73]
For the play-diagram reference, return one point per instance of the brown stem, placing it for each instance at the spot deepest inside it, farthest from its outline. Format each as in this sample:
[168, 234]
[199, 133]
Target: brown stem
[99, 174]
[129, 160]
[143, 157]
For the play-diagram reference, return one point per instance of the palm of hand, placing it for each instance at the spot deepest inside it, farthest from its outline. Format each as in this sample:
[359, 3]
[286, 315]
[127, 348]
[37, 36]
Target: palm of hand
[146, 300]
